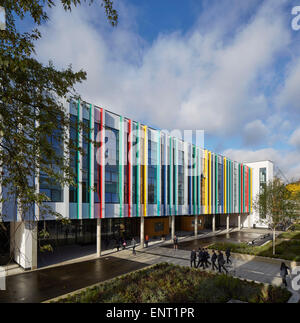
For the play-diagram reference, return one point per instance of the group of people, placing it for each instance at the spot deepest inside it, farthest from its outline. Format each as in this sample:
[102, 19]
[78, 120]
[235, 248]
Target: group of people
[123, 243]
[204, 256]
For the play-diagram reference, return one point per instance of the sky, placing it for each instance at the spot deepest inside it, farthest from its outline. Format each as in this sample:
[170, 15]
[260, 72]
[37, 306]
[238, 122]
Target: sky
[228, 67]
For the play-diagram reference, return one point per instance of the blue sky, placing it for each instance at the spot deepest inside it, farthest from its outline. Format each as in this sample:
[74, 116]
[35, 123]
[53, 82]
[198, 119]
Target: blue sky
[229, 67]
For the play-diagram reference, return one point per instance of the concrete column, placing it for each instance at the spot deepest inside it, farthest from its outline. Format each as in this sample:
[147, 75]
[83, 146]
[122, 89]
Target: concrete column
[214, 223]
[172, 226]
[196, 226]
[98, 237]
[249, 221]
[24, 243]
[142, 232]
[239, 222]
[227, 222]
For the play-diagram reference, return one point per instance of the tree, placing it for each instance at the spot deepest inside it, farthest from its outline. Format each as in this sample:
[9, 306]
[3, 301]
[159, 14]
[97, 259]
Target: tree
[32, 112]
[294, 188]
[275, 206]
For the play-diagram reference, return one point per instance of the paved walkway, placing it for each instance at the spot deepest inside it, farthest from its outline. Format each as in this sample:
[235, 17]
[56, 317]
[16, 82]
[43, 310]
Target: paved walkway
[255, 270]
[44, 284]
[41, 285]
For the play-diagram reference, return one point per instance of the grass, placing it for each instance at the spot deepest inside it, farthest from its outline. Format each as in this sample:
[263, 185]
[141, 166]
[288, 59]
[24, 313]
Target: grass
[296, 226]
[285, 249]
[167, 283]
[291, 235]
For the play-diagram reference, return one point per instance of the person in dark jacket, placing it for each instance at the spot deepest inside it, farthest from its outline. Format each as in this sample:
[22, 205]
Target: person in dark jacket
[213, 261]
[193, 258]
[175, 243]
[228, 254]
[284, 272]
[200, 258]
[206, 257]
[118, 244]
[221, 262]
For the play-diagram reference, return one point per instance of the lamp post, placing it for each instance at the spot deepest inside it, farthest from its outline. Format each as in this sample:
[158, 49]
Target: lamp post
[2, 19]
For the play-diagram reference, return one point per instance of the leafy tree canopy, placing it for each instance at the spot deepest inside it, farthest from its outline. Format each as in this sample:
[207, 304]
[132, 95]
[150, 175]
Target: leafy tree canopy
[294, 188]
[34, 125]
[276, 206]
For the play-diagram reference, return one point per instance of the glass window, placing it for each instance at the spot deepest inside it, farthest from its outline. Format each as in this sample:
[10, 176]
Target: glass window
[180, 177]
[49, 186]
[112, 166]
[263, 175]
[85, 163]
[220, 184]
[152, 167]
[73, 157]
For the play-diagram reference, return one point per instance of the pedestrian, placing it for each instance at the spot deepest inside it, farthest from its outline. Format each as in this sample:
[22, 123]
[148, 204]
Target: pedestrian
[213, 261]
[118, 244]
[284, 272]
[228, 255]
[193, 258]
[200, 258]
[133, 242]
[146, 240]
[221, 262]
[206, 257]
[175, 242]
[124, 244]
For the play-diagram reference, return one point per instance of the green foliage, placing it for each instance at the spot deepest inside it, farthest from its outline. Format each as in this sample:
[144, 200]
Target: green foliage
[275, 204]
[166, 283]
[291, 235]
[46, 248]
[32, 109]
[289, 250]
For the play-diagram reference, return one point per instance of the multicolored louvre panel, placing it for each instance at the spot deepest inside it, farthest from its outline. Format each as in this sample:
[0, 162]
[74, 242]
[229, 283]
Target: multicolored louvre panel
[133, 170]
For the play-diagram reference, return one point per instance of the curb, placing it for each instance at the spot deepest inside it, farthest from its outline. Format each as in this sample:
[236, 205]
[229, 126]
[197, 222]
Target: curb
[78, 291]
[293, 299]
[269, 260]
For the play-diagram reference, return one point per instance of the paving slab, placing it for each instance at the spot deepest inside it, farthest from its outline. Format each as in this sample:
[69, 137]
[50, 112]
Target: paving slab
[41, 285]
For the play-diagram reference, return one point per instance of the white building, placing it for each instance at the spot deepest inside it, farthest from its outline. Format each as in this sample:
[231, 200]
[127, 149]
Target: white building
[263, 172]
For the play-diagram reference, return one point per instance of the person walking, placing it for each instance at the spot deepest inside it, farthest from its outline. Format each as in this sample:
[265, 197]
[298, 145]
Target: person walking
[213, 261]
[193, 258]
[146, 240]
[284, 272]
[175, 242]
[206, 257]
[133, 242]
[228, 255]
[124, 244]
[118, 244]
[200, 258]
[221, 262]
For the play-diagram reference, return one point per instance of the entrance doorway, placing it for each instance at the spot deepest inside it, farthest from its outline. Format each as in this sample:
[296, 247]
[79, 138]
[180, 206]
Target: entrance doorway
[4, 243]
[116, 230]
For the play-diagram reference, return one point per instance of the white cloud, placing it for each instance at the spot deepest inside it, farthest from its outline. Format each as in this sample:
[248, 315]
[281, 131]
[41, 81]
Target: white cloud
[203, 79]
[287, 161]
[289, 96]
[192, 81]
[295, 139]
[255, 133]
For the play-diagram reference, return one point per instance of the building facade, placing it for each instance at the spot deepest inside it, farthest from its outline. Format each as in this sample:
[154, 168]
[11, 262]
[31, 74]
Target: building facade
[263, 172]
[135, 181]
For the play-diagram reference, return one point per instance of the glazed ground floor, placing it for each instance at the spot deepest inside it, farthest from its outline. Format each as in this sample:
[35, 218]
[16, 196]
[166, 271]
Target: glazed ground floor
[23, 242]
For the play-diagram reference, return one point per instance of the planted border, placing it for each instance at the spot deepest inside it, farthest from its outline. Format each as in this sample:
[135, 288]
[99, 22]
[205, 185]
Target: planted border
[167, 283]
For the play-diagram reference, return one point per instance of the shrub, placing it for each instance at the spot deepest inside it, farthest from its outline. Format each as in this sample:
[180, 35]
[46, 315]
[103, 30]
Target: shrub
[166, 283]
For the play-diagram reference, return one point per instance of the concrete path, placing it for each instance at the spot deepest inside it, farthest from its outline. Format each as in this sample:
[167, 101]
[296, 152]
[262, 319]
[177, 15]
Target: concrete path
[254, 270]
[44, 284]
[40, 285]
